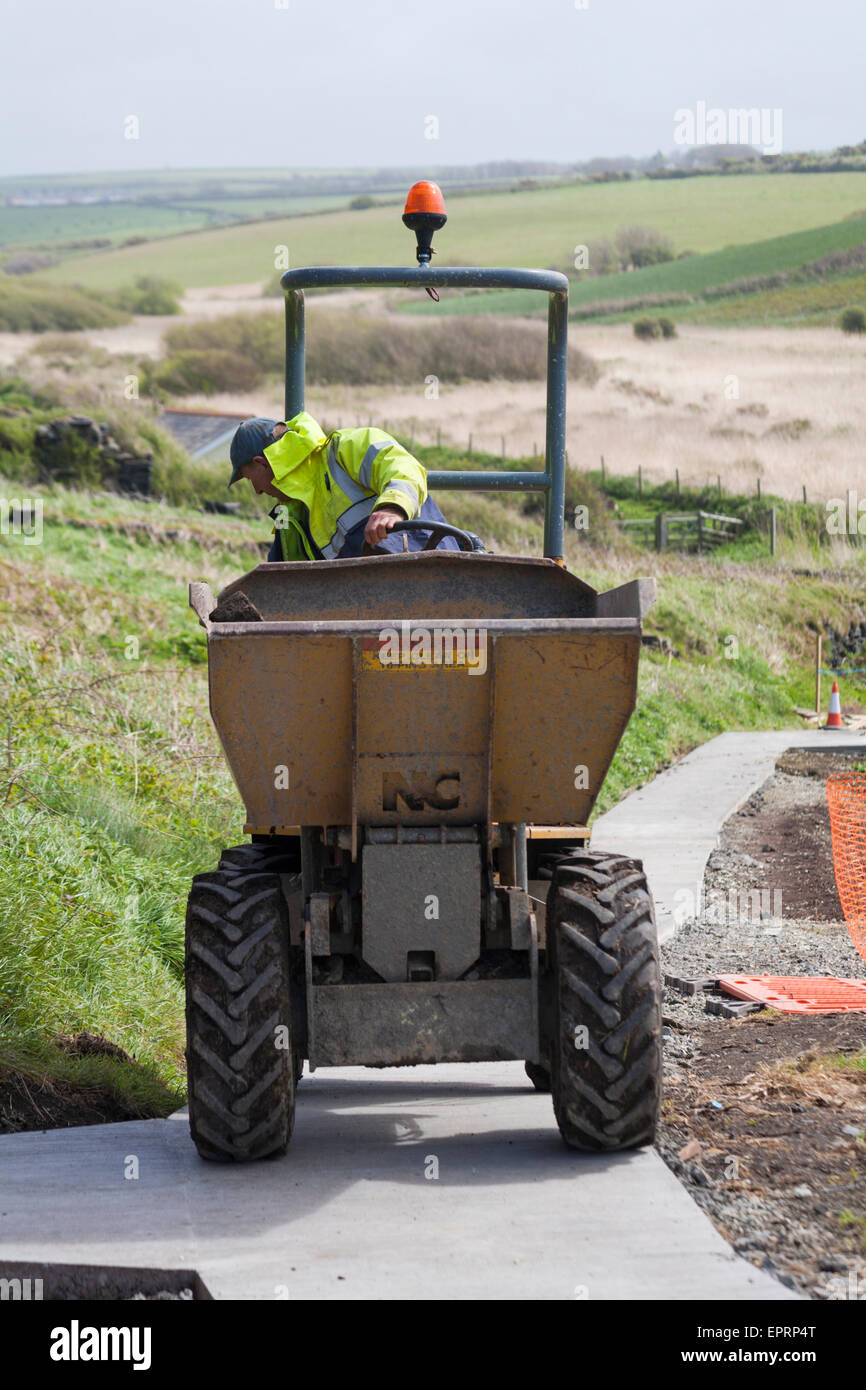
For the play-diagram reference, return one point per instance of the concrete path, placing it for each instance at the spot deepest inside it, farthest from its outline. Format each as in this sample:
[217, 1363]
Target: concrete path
[350, 1212]
[673, 822]
[422, 1183]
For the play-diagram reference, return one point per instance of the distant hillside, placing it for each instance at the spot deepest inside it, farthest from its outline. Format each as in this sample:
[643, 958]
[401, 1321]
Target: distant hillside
[71, 213]
[535, 227]
[803, 276]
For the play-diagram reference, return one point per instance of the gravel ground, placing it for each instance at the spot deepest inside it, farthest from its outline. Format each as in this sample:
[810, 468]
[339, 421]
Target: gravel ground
[163, 1296]
[776, 1147]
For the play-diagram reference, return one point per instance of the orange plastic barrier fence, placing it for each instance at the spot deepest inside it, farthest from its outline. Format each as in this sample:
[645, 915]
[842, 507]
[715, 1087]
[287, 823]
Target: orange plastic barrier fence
[846, 797]
[798, 994]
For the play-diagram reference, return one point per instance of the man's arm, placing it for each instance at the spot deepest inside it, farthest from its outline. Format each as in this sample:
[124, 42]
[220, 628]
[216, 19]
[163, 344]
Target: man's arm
[401, 482]
[380, 464]
[385, 468]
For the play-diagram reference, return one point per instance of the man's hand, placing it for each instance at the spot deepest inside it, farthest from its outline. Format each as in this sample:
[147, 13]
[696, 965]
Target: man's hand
[381, 522]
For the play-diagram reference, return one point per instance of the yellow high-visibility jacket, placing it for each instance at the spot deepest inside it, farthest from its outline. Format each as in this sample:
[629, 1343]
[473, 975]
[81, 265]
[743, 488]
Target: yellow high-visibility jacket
[340, 479]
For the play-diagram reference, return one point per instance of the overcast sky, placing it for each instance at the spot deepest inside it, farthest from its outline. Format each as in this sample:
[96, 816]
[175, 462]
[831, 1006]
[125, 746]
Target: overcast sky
[335, 83]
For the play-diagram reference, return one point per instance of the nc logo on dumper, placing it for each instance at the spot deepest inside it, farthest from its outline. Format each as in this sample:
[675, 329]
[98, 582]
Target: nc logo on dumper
[421, 793]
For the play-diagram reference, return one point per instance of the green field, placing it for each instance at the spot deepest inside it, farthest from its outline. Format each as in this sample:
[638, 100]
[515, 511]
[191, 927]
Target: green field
[266, 205]
[52, 226]
[816, 300]
[157, 203]
[817, 303]
[537, 228]
[21, 227]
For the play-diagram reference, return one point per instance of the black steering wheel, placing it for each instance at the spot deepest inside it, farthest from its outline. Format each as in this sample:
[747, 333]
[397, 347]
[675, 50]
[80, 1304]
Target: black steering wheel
[438, 530]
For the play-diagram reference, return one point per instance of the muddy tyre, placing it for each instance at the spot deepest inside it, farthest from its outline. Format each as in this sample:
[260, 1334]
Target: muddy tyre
[606, 1026]
[538, 1075]
[240, 1067]
[249, 858]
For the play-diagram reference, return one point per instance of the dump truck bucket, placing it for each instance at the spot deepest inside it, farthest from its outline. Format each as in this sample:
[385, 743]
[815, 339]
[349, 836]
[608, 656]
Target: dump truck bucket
[433, 688]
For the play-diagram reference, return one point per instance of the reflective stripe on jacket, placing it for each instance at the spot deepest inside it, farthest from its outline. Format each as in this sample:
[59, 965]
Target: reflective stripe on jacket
[339, 479]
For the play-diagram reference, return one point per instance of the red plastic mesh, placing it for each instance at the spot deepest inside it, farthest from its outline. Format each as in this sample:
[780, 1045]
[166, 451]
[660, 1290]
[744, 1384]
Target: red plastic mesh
[846, 797]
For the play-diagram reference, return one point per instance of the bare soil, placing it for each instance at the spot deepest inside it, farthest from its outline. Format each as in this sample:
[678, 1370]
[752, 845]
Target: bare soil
[28, 1103]
[765, 1117]
[786, 829]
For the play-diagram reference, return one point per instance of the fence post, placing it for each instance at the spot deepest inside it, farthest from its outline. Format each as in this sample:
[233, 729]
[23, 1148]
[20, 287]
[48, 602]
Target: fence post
[759, 489]
[804, 492]
[639, 481]
[469, 450]
[772, 530]
[661, 531]
[700, 533]
[819, 643]
[719, 481]
[678, 485]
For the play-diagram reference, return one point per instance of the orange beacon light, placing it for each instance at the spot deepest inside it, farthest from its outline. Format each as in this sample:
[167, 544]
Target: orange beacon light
[424, 214]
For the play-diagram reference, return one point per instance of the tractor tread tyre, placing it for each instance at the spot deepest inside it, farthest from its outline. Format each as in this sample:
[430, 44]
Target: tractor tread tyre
[241, 1082]
[603, 953]
[272, 859]
[538, 1075]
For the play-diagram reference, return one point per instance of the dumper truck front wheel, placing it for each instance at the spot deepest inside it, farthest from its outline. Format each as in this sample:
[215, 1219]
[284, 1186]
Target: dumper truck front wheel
[239, 1049]
[538, 1075]
[606, 1026]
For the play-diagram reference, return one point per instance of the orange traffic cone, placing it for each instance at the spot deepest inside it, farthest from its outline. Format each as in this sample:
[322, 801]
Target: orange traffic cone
[834, 717]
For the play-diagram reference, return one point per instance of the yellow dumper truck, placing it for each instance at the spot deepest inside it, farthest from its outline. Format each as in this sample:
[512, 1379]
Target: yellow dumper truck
[418, 740]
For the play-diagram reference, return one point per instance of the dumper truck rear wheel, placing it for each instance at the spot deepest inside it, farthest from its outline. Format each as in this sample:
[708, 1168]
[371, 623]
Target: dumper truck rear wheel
[240, 1062]
[606, 1044]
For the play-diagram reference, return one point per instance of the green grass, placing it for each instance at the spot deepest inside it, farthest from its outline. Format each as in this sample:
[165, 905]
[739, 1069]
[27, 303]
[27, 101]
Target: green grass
[684, 701]
[112, 789]
[801, 523]
[844, 1061]
[692, 275]
[696, 274]
[814, 303]
[855, 1222]
[175, 478]
[535, 228]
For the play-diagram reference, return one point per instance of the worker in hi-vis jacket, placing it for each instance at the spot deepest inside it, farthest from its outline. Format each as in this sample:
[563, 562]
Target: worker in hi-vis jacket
[334, 491]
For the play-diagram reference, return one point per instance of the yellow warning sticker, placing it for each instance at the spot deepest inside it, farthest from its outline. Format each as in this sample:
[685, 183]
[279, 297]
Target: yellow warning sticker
[413, 647]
